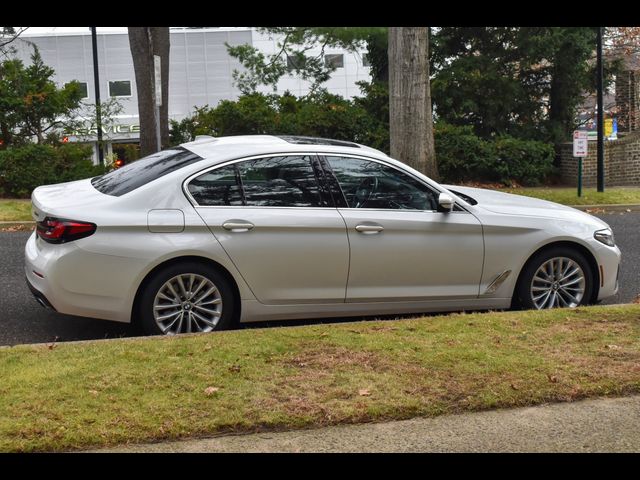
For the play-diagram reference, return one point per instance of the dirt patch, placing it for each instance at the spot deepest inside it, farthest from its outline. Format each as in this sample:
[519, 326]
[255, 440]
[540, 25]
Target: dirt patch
[20, 227]
[332, 358]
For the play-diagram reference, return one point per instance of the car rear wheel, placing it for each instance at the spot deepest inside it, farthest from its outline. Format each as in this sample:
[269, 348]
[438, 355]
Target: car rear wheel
[187, 298]
[558, 277]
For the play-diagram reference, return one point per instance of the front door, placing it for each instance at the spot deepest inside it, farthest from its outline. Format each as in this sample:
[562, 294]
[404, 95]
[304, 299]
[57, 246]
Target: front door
[278, 227]
[402, 247]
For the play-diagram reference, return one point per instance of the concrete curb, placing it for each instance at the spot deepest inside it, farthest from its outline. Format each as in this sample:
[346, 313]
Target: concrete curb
[186, 335]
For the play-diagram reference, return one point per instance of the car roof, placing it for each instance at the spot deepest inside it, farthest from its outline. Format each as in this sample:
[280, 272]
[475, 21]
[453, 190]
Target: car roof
[223, 148]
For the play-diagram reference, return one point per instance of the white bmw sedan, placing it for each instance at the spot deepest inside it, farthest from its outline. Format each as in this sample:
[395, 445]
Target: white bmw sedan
[249, 228]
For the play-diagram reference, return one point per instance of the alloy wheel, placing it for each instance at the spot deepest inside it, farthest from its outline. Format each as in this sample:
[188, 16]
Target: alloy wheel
[558, 282]
[187, 303]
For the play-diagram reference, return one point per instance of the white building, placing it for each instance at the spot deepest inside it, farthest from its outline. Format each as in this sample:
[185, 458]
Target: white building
[200, 71]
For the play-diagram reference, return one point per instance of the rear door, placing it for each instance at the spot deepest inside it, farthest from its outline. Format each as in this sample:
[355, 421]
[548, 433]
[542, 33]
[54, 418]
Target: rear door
[402, 247]
[277, 222]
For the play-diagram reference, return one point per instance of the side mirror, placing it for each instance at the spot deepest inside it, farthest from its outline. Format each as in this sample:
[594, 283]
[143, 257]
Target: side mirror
[446, 202]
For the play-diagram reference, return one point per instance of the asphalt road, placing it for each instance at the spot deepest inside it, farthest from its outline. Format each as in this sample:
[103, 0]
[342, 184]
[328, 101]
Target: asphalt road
[23, 320]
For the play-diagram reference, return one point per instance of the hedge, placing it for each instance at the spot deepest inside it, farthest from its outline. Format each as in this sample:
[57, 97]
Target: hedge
[26, 167]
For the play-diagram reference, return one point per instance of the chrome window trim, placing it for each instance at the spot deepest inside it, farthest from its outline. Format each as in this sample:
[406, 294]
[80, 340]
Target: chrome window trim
[226, 163]
[401, 170]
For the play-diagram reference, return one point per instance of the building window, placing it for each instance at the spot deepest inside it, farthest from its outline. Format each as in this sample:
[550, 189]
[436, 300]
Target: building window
[365, 60]
[294, 62]
[82, 87]
[335, 60]
[120, 88]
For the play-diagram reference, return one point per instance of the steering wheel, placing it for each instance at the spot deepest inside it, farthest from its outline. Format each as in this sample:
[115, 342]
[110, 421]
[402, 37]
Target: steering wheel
[366, 188]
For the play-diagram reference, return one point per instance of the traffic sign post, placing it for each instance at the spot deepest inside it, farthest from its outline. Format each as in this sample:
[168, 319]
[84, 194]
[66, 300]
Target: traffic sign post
[580, 150]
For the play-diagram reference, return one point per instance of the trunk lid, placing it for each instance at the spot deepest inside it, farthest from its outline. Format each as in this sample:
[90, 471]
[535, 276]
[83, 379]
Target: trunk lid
[74, 200]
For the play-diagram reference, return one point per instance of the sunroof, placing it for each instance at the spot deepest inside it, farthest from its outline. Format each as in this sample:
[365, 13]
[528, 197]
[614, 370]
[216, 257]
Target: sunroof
[316, 141]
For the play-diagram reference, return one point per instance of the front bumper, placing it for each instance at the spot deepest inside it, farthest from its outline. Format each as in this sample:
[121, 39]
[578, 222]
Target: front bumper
[608, 259]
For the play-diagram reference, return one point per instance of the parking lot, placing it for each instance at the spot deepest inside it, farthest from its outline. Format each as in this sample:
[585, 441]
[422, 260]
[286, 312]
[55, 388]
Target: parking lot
[23, 320]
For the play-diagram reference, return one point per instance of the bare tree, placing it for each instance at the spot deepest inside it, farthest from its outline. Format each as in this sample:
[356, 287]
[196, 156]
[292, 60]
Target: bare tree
[410, 118]
[145, 42]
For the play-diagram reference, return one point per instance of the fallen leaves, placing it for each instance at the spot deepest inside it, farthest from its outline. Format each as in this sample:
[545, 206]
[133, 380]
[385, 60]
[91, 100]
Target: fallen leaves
[17, 228]
[210, 391]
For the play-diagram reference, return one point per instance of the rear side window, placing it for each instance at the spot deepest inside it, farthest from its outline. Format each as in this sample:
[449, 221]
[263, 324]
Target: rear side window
[143, 171]
[217, 187]
[287, 181]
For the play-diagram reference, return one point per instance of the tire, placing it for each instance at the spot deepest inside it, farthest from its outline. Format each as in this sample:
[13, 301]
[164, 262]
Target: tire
[188, 314]
[563, 291]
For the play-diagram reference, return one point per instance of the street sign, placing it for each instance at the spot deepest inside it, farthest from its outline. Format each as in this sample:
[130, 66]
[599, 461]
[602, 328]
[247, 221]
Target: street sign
[580, 148]
[580, 143]
[158, 78]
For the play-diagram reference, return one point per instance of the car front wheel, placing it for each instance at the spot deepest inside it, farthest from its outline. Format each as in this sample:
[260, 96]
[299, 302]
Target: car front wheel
[558, 277]
[186, 298]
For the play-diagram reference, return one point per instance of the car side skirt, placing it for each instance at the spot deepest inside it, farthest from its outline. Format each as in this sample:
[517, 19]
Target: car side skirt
[253, 311]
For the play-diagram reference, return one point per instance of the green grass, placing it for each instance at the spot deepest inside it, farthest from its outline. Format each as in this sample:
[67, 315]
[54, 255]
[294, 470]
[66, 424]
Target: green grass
[86, 395]
[15, 210]
[569, 196]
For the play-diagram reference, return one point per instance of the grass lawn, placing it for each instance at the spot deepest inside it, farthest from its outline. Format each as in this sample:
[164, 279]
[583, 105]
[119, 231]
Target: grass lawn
[79, 395]
[15, 210]
[569, 196]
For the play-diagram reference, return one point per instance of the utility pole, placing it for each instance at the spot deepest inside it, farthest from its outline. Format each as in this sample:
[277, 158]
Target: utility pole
[599, 74]
[96, 81]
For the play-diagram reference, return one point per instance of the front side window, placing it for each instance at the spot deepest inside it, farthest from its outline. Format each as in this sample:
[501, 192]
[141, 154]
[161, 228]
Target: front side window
[369, 184]
[285, 181]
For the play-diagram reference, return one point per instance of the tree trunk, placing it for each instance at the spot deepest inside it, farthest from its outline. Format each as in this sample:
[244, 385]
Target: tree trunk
[145, 42]
[410, 117]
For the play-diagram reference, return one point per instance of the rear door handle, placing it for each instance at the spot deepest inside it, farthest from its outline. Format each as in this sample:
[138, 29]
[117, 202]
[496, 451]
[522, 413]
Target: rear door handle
[237, 225]
[369, 229]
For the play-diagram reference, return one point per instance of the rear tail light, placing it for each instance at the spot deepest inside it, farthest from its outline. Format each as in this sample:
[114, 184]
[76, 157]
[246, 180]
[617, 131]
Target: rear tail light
[60, 230]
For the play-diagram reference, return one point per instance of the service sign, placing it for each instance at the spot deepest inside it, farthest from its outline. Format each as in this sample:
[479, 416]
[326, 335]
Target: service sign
[580, 143]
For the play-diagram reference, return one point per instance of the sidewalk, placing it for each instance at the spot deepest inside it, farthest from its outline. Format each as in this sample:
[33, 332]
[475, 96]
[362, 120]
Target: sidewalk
[602, 425]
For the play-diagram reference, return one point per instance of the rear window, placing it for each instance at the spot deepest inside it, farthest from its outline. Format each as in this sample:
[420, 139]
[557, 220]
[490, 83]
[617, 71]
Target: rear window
[143, 171]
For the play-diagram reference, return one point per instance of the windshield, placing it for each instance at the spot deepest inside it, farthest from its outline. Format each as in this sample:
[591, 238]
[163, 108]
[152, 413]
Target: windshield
[143, 171]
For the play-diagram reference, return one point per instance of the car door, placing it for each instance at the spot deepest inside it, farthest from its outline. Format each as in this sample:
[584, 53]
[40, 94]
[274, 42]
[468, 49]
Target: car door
[402, 247]
[276, 221]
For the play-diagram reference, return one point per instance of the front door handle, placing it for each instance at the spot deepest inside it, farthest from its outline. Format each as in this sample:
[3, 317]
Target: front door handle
[369, 229]
[237, 225]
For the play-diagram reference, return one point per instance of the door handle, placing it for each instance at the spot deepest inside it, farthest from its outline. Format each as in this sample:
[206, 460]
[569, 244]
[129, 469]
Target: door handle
[237, 225]
[369, 229]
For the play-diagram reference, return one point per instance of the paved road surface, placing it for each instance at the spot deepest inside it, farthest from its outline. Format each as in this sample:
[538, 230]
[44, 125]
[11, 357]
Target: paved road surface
[23, 320]
[602, 425]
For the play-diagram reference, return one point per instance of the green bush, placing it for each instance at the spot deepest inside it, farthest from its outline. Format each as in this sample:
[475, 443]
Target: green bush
[320, 115]
[463, 157]
[26, 167]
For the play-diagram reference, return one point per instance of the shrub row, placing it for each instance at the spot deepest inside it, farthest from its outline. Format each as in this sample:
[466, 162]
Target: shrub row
[462, 155]
[26, 167]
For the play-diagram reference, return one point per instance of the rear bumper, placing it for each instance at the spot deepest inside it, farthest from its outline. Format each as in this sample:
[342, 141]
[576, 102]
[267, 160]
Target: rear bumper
[39, 296]
[64, 278]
